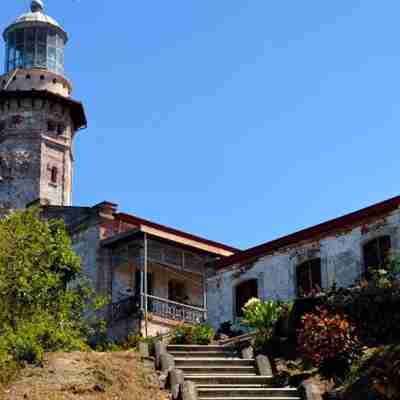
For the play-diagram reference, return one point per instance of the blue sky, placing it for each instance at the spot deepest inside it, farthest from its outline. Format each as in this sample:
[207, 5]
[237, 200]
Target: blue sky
[237, 120]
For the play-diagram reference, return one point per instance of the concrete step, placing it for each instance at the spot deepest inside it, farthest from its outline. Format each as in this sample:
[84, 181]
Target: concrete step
[252, 398]
[228, 379]
[202, 354]
[245, 392]
[218, 369]
[229, 386]
[191, 348]
[207, 362]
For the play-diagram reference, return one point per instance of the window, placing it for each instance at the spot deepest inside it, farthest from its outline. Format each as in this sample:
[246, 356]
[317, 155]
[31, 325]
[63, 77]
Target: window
[54, 175]
[308, 276]
[375, 253]
[243, 293]
[177, 291]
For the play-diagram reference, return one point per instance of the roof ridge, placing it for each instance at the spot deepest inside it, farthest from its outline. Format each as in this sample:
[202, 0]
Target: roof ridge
[175, 231]
[322, 228]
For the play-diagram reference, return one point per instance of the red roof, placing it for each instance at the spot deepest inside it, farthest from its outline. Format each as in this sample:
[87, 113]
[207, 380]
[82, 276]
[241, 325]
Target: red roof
[131, 219]
[313, 232]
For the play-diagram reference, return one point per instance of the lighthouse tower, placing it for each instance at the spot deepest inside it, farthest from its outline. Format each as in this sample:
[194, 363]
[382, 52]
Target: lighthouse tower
[38, 118]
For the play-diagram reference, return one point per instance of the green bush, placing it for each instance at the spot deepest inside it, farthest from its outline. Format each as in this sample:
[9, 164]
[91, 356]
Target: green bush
[133, 340]
[46, 305]
[261, 316]
[192, 334]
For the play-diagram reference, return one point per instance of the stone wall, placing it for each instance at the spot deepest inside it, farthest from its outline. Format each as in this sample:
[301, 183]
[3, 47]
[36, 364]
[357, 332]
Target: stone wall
[35, 138]
[341, 263]
[36, 80]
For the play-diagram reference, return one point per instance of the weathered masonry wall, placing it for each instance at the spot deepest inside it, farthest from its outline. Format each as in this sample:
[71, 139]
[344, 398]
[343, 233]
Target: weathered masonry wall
[35, 152]
[341, 263]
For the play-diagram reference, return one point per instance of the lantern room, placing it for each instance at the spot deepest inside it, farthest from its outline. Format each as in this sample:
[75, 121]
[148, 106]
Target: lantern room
[35, 41]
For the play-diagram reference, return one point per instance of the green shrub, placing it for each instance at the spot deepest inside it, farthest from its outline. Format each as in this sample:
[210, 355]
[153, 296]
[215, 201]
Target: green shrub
[192, 334]
[261, 315]
[132, 342]
[46, 305]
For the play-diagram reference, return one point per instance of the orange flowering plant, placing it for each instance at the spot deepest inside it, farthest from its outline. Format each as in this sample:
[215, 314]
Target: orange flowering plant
[329, 341]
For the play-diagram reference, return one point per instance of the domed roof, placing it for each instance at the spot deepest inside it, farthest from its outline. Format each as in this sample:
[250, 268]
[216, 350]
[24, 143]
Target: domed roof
[36, 15]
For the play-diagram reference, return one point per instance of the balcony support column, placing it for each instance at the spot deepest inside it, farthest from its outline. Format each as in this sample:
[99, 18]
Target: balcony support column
[146, 302]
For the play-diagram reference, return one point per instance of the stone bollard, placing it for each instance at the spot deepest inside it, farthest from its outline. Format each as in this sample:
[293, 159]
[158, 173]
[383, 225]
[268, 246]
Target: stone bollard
[144, 349]
[189, 391]
[248, 352]
[310, 391]
[167, 362]
[176, 381]
[160, 348]
[263, 365]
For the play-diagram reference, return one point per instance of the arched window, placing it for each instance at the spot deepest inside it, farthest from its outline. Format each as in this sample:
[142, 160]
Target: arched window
[54, 175]
[308, 276]
[243, 293]
[375, 253]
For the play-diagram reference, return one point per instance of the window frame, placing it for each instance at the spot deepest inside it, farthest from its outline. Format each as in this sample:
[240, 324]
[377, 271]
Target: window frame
[237, 312]
[377, 240]
[310, 272]
[54, 175]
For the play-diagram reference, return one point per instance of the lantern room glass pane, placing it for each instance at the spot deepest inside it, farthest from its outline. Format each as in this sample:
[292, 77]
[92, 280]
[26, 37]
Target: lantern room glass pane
[20, 36]
[30, 35]
[11, 38]
[35, 47]
[41, 55]
[19, 56]
[11, 52]
[51, 53]
[42, 35]
[52, 37]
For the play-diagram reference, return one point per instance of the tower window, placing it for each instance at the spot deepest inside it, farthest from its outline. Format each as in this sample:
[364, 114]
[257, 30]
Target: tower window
[54, 175]
[376, 253]
[308, 276]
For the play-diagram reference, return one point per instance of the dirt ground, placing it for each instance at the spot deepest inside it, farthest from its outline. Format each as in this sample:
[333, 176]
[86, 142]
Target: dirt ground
[86, 376]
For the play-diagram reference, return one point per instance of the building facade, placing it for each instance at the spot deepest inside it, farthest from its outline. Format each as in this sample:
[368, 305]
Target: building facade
[156, 276]
[337, 252]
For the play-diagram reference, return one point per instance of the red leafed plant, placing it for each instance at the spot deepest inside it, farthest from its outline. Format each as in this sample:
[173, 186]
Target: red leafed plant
[329, 341]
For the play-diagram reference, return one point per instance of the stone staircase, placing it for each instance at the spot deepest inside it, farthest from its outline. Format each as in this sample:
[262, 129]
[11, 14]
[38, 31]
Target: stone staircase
[219, 374]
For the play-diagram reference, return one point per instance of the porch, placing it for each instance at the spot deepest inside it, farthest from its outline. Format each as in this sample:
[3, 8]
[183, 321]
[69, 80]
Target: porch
[155, 283]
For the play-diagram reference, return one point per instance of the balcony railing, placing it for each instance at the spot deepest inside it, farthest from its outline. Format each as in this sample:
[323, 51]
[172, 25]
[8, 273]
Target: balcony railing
[157, 306]
[175, 311]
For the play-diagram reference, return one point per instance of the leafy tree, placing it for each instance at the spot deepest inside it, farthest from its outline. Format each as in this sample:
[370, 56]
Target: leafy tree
[46, 304]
